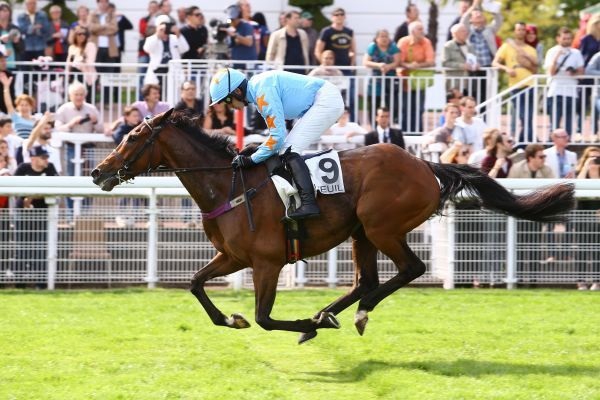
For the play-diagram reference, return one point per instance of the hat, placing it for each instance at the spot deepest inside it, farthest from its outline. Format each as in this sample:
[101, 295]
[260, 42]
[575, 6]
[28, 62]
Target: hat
[306, 15]
[233, 11]
[162, 19]
[38, 151]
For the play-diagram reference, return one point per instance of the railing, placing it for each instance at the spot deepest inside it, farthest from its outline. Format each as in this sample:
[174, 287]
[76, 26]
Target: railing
[156, 239]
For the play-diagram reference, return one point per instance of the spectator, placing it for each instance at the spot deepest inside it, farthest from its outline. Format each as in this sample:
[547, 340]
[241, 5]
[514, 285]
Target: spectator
[8, 165]
[533, 166]
[383, 133]
[7, 168]
[496, 163]
[590, 43]
[163, 47]
[83, 15]
[31, 228]
[7, 134]
[189, 100]
[121, 127]
[306, 23]
[41, 134]
[593, 68]
[77, 116]
[146, 28]
[11, 88]
[10, 37]
[446, 134]
[181, 17]
[123, 24]
[339, 39]
[532, 39]
[262, 39]
[589, 168]
[80, 60]
[416, 52]
[463, 6]
[195, 34]
[219, 119]
[472, 126]
[519, 61]
[455, 154]
[21, 113]
[35, 29]
[151, 105]
[563, 64]
[483, 39]
[476, 157]
[289, 45]
[165, 8]
[344, 127]
[58, 44]
[560, 160]
[241, 37]
[459, 58]
[383, 57]
[328, 71]
[453, 96]
[412, 15]
[104, 34]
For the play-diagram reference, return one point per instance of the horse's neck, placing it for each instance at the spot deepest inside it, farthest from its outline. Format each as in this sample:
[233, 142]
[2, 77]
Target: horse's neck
[209, 189]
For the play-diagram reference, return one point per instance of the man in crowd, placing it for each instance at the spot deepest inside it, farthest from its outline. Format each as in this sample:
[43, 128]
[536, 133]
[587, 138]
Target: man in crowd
[338, 38]
[383, 133]
[563, 64]
[472, 126]
[104, 32]
[241, 37]
[189, 100]
[533, 166]
[289, 45]
[463, 6]
[195, 33]
[446, 134]
[459, 58]
[519, 61]
[41, 135]
[593, 68]
[35, 30]
[412, 14]
[561, 161]
[306, 23]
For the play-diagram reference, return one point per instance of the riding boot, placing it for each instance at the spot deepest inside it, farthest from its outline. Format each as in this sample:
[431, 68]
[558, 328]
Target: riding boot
[301, 175]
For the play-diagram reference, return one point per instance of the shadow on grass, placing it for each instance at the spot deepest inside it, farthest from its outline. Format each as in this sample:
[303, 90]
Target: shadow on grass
[461, 367]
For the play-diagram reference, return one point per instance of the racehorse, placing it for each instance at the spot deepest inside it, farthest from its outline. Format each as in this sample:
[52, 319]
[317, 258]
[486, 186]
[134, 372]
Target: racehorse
[388, 193]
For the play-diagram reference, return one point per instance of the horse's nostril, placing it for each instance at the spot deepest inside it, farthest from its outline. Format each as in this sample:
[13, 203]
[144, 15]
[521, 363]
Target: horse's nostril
[95, 173]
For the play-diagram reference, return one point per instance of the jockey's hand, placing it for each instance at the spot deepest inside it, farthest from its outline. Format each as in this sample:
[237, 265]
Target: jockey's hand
[242, 161]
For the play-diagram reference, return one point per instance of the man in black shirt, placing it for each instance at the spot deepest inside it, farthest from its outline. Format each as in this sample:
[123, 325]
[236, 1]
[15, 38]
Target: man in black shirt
[189, 101]
[195, 33]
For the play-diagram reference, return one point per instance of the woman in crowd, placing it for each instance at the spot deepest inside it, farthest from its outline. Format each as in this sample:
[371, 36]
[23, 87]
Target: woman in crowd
[82, 21]
[10, 36]
[219, 119]
[263, 34]
[531, 38]
[496, 163]
[80, 59]
[383, 57]
[8, 165]
[589, 261]
[22, 111]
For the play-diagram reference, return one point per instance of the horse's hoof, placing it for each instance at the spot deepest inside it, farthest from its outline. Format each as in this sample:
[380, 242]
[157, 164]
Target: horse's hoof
[360, 321]
[328, 320]
[306, 336]
[238, 321]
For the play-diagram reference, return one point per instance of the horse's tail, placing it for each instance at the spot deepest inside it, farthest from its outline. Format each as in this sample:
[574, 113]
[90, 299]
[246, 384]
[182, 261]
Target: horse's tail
[544, 205]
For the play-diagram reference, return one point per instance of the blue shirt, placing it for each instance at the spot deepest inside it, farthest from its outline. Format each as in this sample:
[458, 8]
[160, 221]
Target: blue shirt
[280, 95]
[22, 126]
[241, 52]
[34, 38]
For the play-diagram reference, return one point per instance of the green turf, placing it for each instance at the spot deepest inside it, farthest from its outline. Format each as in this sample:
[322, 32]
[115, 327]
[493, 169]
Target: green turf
[419, 344]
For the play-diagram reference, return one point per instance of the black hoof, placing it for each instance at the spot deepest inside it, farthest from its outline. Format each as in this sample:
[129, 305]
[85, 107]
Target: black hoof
[327, 320]
[306, 336]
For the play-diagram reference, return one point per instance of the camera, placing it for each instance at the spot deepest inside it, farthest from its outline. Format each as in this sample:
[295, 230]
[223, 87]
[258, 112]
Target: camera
[169, 28]
[597, 160]
[218, 30]
[570, 69]
[86, 119]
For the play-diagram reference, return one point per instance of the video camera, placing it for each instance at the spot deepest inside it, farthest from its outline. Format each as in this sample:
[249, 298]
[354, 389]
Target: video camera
[218, 30]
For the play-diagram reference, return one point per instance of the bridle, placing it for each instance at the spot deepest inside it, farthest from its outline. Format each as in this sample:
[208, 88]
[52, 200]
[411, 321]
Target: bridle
[149, 143]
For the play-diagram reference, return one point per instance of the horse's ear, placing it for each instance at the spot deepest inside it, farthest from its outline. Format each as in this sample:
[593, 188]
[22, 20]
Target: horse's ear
[167, 114]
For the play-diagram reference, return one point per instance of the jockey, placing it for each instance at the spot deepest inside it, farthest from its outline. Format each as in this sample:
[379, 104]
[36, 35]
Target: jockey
[280, 95]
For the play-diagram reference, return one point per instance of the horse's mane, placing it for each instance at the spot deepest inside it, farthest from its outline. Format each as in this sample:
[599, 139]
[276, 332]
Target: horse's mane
[189, 122]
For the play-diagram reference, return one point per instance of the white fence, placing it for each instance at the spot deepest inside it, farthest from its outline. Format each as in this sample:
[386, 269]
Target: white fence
[158, 240]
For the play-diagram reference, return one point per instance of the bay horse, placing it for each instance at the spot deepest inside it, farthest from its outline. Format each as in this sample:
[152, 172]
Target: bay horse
[388, 193]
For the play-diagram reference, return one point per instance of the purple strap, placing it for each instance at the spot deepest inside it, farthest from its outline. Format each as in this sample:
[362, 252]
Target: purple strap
[223, 208]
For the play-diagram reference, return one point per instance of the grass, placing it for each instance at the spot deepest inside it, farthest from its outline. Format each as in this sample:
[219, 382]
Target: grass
[419, 344]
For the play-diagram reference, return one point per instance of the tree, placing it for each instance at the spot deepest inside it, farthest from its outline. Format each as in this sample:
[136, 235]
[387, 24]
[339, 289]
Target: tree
[314, 7]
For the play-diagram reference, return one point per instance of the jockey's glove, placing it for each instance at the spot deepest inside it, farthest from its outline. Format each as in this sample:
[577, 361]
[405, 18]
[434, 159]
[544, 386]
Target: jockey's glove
[241, 161]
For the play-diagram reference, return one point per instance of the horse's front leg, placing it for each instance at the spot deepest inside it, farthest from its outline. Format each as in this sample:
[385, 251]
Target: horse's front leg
[220, 265]
[265, 287]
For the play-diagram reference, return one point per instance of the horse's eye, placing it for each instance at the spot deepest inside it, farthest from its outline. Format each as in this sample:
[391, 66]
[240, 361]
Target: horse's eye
[131, 138]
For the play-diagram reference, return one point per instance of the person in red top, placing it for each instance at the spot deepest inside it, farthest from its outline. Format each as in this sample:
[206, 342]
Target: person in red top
[416, 52]
[57, 44]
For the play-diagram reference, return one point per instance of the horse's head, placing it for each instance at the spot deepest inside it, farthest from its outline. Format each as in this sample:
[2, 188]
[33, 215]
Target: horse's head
[136, 154]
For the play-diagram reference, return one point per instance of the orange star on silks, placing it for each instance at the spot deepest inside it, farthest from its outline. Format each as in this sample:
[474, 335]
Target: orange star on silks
[271, 142]
[260, 102]
[270, 121]
[215, 80]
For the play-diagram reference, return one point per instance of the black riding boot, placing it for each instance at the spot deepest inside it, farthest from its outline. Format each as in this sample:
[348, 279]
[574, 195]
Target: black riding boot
[301, 175]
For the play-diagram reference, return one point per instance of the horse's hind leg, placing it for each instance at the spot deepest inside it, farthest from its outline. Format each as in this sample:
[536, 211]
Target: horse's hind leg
[410, 268]
[265, 289]
[220, 265]
[366, 278]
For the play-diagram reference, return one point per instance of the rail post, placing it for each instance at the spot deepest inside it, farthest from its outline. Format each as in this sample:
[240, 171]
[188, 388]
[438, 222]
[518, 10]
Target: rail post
[52, 231]
[152, 257]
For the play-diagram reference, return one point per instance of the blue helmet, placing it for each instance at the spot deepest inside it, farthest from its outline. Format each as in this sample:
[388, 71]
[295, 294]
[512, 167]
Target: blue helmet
[223, 83]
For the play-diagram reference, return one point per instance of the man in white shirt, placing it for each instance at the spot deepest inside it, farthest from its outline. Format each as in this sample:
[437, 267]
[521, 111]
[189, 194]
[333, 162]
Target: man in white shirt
[472, 126]
[561, 161]
[563, 64]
